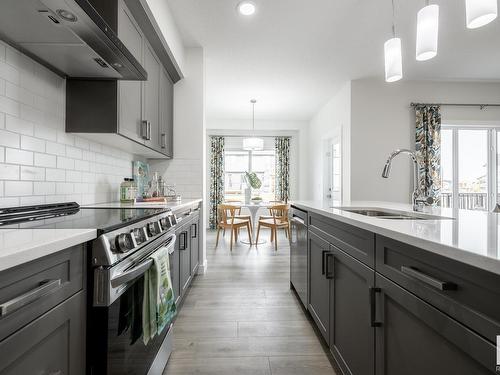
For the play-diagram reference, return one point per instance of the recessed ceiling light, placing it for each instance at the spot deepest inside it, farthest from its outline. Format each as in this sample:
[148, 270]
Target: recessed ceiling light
[246, 8]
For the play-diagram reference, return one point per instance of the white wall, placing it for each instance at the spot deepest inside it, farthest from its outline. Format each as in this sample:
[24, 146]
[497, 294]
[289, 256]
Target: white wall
[382, 120]
[39, 162]
[332, 119]
[168, 27]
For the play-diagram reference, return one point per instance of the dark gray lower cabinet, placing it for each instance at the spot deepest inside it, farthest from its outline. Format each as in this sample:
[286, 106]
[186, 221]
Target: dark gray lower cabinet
[184, 246]
[195, 244]
[52, 344]
[174, 272]
[319, 284]
[415, 338]
[351, 332]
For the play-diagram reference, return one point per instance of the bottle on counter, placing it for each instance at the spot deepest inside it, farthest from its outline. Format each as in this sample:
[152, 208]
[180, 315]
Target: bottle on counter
[128, 190]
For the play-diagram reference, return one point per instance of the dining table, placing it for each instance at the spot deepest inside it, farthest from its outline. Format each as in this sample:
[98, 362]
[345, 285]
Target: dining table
[254, 207]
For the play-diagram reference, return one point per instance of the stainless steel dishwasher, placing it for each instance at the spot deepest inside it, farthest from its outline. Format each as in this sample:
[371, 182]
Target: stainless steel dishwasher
[298, 253]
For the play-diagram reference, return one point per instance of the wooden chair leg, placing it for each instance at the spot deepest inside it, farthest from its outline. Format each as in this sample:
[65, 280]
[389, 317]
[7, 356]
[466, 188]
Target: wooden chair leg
[272, 234]
[276, 239]
[236, 233]
[258, 232]
[217, 239]
[231, 243]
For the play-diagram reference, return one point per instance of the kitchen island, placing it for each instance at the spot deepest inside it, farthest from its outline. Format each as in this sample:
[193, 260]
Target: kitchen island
[403, 296]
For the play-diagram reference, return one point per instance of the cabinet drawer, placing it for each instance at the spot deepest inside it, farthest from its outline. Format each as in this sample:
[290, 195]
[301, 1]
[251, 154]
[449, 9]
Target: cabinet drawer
[52, 344]
[356, 242]
[32, 289]
[468, 294]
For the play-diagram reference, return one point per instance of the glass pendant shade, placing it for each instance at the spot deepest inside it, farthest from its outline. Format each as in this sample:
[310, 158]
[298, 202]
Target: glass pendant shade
[393, 60]
[480, 12]
[427, 32]
[253, 144]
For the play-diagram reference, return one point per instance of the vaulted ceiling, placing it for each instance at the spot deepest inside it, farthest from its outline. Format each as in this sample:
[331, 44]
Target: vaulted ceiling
[293, 54]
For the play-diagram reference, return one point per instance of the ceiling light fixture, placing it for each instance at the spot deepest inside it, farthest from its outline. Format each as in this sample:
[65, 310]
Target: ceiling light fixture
[480, 12]
[246, 8]
[427, 32]
[392, 55]
[253, 143]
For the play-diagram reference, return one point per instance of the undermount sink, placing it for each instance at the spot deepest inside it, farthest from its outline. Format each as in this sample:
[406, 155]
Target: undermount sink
[391, 214]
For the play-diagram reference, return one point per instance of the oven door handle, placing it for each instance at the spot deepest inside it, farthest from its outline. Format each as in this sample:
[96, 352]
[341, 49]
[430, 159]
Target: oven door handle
[141, 268]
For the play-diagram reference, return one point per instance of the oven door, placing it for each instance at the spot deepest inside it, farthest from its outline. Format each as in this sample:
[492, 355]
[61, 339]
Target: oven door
[115, 343]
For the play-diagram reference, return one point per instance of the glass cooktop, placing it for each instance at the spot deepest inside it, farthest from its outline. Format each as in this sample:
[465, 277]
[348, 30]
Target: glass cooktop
[71, 216]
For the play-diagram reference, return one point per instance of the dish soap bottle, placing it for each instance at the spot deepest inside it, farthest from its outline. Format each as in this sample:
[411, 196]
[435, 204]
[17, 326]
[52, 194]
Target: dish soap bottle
[128, 190]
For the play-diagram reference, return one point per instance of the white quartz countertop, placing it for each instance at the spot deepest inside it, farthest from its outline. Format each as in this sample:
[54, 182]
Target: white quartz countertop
[470, 237]
[18, 246]
[169, 205]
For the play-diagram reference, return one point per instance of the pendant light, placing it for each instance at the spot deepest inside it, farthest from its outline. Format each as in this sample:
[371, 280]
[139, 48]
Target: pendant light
[392, 55]
[253, 143]
[480, 12]
[427, 32]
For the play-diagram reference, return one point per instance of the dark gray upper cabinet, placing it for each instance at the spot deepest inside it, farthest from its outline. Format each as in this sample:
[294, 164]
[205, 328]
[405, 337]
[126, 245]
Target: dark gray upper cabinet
[351, 332]
[319, 284]
[166, 114]
[415, 338]
[132, 115]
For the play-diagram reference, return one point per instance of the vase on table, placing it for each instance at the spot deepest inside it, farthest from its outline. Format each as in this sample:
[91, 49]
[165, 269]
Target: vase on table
[248, 195]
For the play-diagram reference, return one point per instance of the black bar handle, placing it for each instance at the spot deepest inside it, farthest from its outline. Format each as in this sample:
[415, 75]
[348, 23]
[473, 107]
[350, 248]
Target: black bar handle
[195, 226]
[429, 280]
[182, 241]
[329, 274]
[185, 240]
[323, 261]
[373, 303]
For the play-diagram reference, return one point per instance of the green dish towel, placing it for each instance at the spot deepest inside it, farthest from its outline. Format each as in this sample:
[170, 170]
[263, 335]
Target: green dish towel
[158, 308]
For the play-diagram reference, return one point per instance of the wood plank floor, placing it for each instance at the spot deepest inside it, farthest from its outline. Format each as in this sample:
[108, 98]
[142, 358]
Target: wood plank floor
[242, 318]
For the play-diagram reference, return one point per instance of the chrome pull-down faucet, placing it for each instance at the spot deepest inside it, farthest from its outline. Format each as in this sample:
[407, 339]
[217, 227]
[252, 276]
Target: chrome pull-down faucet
[416, 197]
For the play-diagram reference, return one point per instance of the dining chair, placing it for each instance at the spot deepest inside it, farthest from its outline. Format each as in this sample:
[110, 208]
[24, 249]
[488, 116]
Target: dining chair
[228, 220]
[279, 220]
[238, 211]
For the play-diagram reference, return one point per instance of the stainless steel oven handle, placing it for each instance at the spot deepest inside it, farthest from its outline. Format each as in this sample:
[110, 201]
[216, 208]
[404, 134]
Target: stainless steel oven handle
[141, 268]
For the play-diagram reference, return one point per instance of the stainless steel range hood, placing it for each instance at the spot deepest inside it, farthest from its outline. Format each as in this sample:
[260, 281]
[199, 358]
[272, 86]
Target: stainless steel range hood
[69, 37]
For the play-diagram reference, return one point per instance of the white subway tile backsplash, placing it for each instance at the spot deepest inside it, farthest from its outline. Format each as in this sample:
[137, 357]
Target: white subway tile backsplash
[39, 162]
[45, 160]
[32, 173]
[9, 139]
[19, 125]
[45, 133]
[44, 188]
[18, 188]
[73, 176]
[15, 156]
[55, 148]
[32, 144]
[64, 188]
[57, 175]
[73, 152]
[65, 163]
[9, 172]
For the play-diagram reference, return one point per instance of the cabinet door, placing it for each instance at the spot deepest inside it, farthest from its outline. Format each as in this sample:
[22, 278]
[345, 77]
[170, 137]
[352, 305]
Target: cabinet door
[319, 284]
[195, 244]
[130, 92]
[351, 332]
[415, 338]
[185, 258]
[51, 344]
[151, 97]
[166, 114]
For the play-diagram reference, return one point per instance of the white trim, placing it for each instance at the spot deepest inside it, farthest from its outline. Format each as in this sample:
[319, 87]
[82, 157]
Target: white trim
[470, 124]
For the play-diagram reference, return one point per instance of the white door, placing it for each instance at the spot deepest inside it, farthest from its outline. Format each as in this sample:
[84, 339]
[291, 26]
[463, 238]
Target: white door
[332, 183]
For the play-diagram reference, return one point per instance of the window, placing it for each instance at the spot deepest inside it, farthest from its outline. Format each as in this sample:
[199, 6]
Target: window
[237, 162]
[469, 167]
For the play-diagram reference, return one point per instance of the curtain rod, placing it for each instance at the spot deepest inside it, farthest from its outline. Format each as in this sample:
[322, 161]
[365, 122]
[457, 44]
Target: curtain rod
[481, 106]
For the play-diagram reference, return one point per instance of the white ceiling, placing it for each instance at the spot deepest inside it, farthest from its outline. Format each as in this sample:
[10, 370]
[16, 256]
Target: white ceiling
[292, 54]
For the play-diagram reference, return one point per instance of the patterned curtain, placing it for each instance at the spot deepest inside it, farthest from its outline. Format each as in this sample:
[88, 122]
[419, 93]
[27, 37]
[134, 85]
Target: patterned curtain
[428, 148]
[216, 178]
[282, 148]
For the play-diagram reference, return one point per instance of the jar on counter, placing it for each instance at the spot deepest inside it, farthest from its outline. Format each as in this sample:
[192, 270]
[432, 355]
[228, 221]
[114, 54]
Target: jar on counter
[128, 190]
